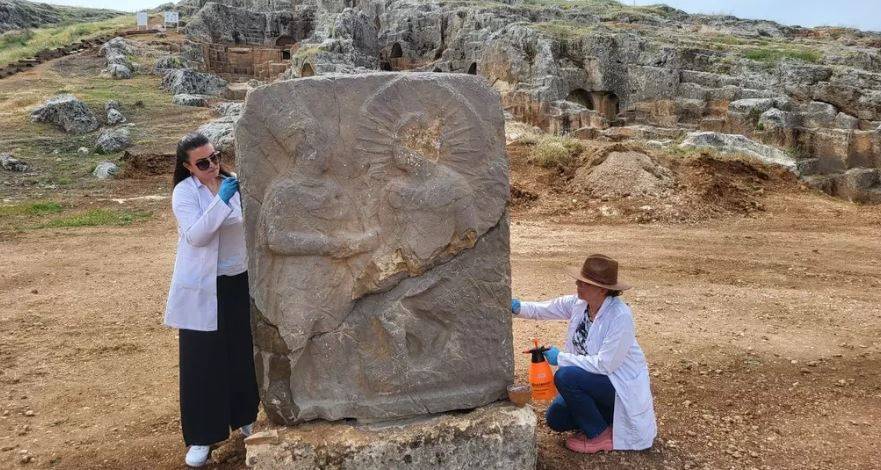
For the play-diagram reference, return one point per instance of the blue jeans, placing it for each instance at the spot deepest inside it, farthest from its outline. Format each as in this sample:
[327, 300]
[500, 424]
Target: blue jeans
[586, 402]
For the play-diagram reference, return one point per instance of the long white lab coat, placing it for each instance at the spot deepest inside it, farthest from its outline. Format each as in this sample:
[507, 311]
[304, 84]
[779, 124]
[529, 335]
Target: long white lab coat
[192, 298]
[613, 351]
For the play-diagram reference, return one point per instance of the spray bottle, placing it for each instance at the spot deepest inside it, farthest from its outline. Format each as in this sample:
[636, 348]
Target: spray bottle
[541, 376]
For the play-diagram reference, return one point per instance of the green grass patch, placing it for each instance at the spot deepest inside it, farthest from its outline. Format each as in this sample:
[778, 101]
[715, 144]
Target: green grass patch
[774, 55]
[553, 151]
[96, 217]
[19, 45]
[564, 30]
[30, 209]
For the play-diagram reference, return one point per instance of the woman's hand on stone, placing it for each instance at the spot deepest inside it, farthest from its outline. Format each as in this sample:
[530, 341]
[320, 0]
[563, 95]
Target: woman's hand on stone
[515, 306]
[228, 188]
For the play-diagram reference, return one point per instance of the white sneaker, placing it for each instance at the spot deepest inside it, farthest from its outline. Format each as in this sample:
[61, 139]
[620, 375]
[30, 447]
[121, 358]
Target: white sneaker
[198, 455]
[247, 429]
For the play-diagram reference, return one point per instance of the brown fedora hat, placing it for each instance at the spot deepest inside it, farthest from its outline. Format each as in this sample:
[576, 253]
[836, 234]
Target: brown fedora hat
[599, 270]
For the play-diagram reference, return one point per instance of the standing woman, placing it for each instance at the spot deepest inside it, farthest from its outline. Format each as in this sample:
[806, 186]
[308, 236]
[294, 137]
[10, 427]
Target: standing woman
[209, 301]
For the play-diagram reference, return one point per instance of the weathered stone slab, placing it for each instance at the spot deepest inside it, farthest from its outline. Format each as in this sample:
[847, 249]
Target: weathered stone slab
[492, 437]
[378, 245]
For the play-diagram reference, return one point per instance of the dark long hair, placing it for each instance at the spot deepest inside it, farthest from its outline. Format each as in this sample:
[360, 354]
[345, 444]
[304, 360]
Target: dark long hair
[191, 141]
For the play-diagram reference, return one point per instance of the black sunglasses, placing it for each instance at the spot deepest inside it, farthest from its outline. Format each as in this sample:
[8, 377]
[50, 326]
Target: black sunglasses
[205, 163]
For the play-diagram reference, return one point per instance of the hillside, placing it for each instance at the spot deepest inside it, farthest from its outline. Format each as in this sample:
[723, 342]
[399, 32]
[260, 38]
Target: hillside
[21, 14]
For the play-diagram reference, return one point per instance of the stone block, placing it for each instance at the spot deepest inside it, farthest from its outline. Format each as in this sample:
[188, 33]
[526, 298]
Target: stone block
[498, 436]
[378, 245]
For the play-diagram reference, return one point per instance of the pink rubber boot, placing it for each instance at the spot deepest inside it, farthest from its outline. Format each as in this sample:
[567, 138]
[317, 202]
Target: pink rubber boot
[578, 442]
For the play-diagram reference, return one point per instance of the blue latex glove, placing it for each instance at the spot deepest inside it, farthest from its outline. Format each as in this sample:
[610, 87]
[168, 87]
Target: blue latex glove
[228, 188]
[551, 355]
[515, 306]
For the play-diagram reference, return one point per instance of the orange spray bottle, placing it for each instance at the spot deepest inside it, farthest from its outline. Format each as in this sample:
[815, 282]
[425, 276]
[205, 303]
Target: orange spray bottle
[541, 376]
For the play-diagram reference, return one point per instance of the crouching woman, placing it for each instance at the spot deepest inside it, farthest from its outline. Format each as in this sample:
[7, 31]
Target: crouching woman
[603, 379]
[209, 301]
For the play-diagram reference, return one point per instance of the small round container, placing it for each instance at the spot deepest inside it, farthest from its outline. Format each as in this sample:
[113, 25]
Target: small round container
[520, 394]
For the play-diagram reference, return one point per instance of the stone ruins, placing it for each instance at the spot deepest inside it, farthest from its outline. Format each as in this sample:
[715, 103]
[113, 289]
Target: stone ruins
[378, 243]
[592, 68]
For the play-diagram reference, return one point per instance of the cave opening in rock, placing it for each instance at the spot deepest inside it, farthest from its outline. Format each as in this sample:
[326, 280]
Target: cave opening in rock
[611, 106]
[472, 70]
[307, 70]
[397, 51]
[582, 97]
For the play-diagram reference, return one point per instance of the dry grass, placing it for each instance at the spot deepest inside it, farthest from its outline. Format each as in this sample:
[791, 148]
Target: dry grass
[15, 45]
[552, 151]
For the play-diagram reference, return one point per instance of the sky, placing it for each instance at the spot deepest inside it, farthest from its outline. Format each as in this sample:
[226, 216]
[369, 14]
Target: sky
[862, 14]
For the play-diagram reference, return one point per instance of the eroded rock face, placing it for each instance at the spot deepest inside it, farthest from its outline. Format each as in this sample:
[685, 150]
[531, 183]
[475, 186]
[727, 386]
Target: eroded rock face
[191, 82]
[378, 243]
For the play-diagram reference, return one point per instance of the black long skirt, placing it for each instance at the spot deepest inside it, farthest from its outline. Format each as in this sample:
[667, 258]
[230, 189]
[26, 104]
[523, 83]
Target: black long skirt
[218, 386]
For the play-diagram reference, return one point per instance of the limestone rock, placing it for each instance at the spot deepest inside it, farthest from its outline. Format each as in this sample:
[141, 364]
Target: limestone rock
[735, 144]
[166, 63]
[759, 105]
[250, 22]
[68, 113]
[7, 162]
[378, 245]
[229, 108]
[115, 117]
[113, 140]
[859, 185]
[184, 99]
[221, 133]
[776, 119]
[118, 71]
[498, 436]
[191, 82]
[105, 170]
[818, 114]
[846, 121]
[116, 55]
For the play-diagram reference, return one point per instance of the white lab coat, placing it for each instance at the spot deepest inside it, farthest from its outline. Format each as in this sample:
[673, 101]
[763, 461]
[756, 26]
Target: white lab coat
[192, 298]
[612, 351]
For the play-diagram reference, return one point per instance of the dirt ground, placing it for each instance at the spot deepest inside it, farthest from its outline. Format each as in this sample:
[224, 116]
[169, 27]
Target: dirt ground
[762, 335]
[756, 302]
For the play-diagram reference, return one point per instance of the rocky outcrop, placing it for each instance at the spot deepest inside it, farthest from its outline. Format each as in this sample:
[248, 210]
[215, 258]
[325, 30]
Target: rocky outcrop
[105, 170]
[166, 63]
[116, 56]
[191, 82]
[813, 93]
[184, 99]
[9, 163]
[734, 144]
[250, 22]
[114, 113]
[113, 140]
[20, 14]
[221, 133]
[68, 113]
